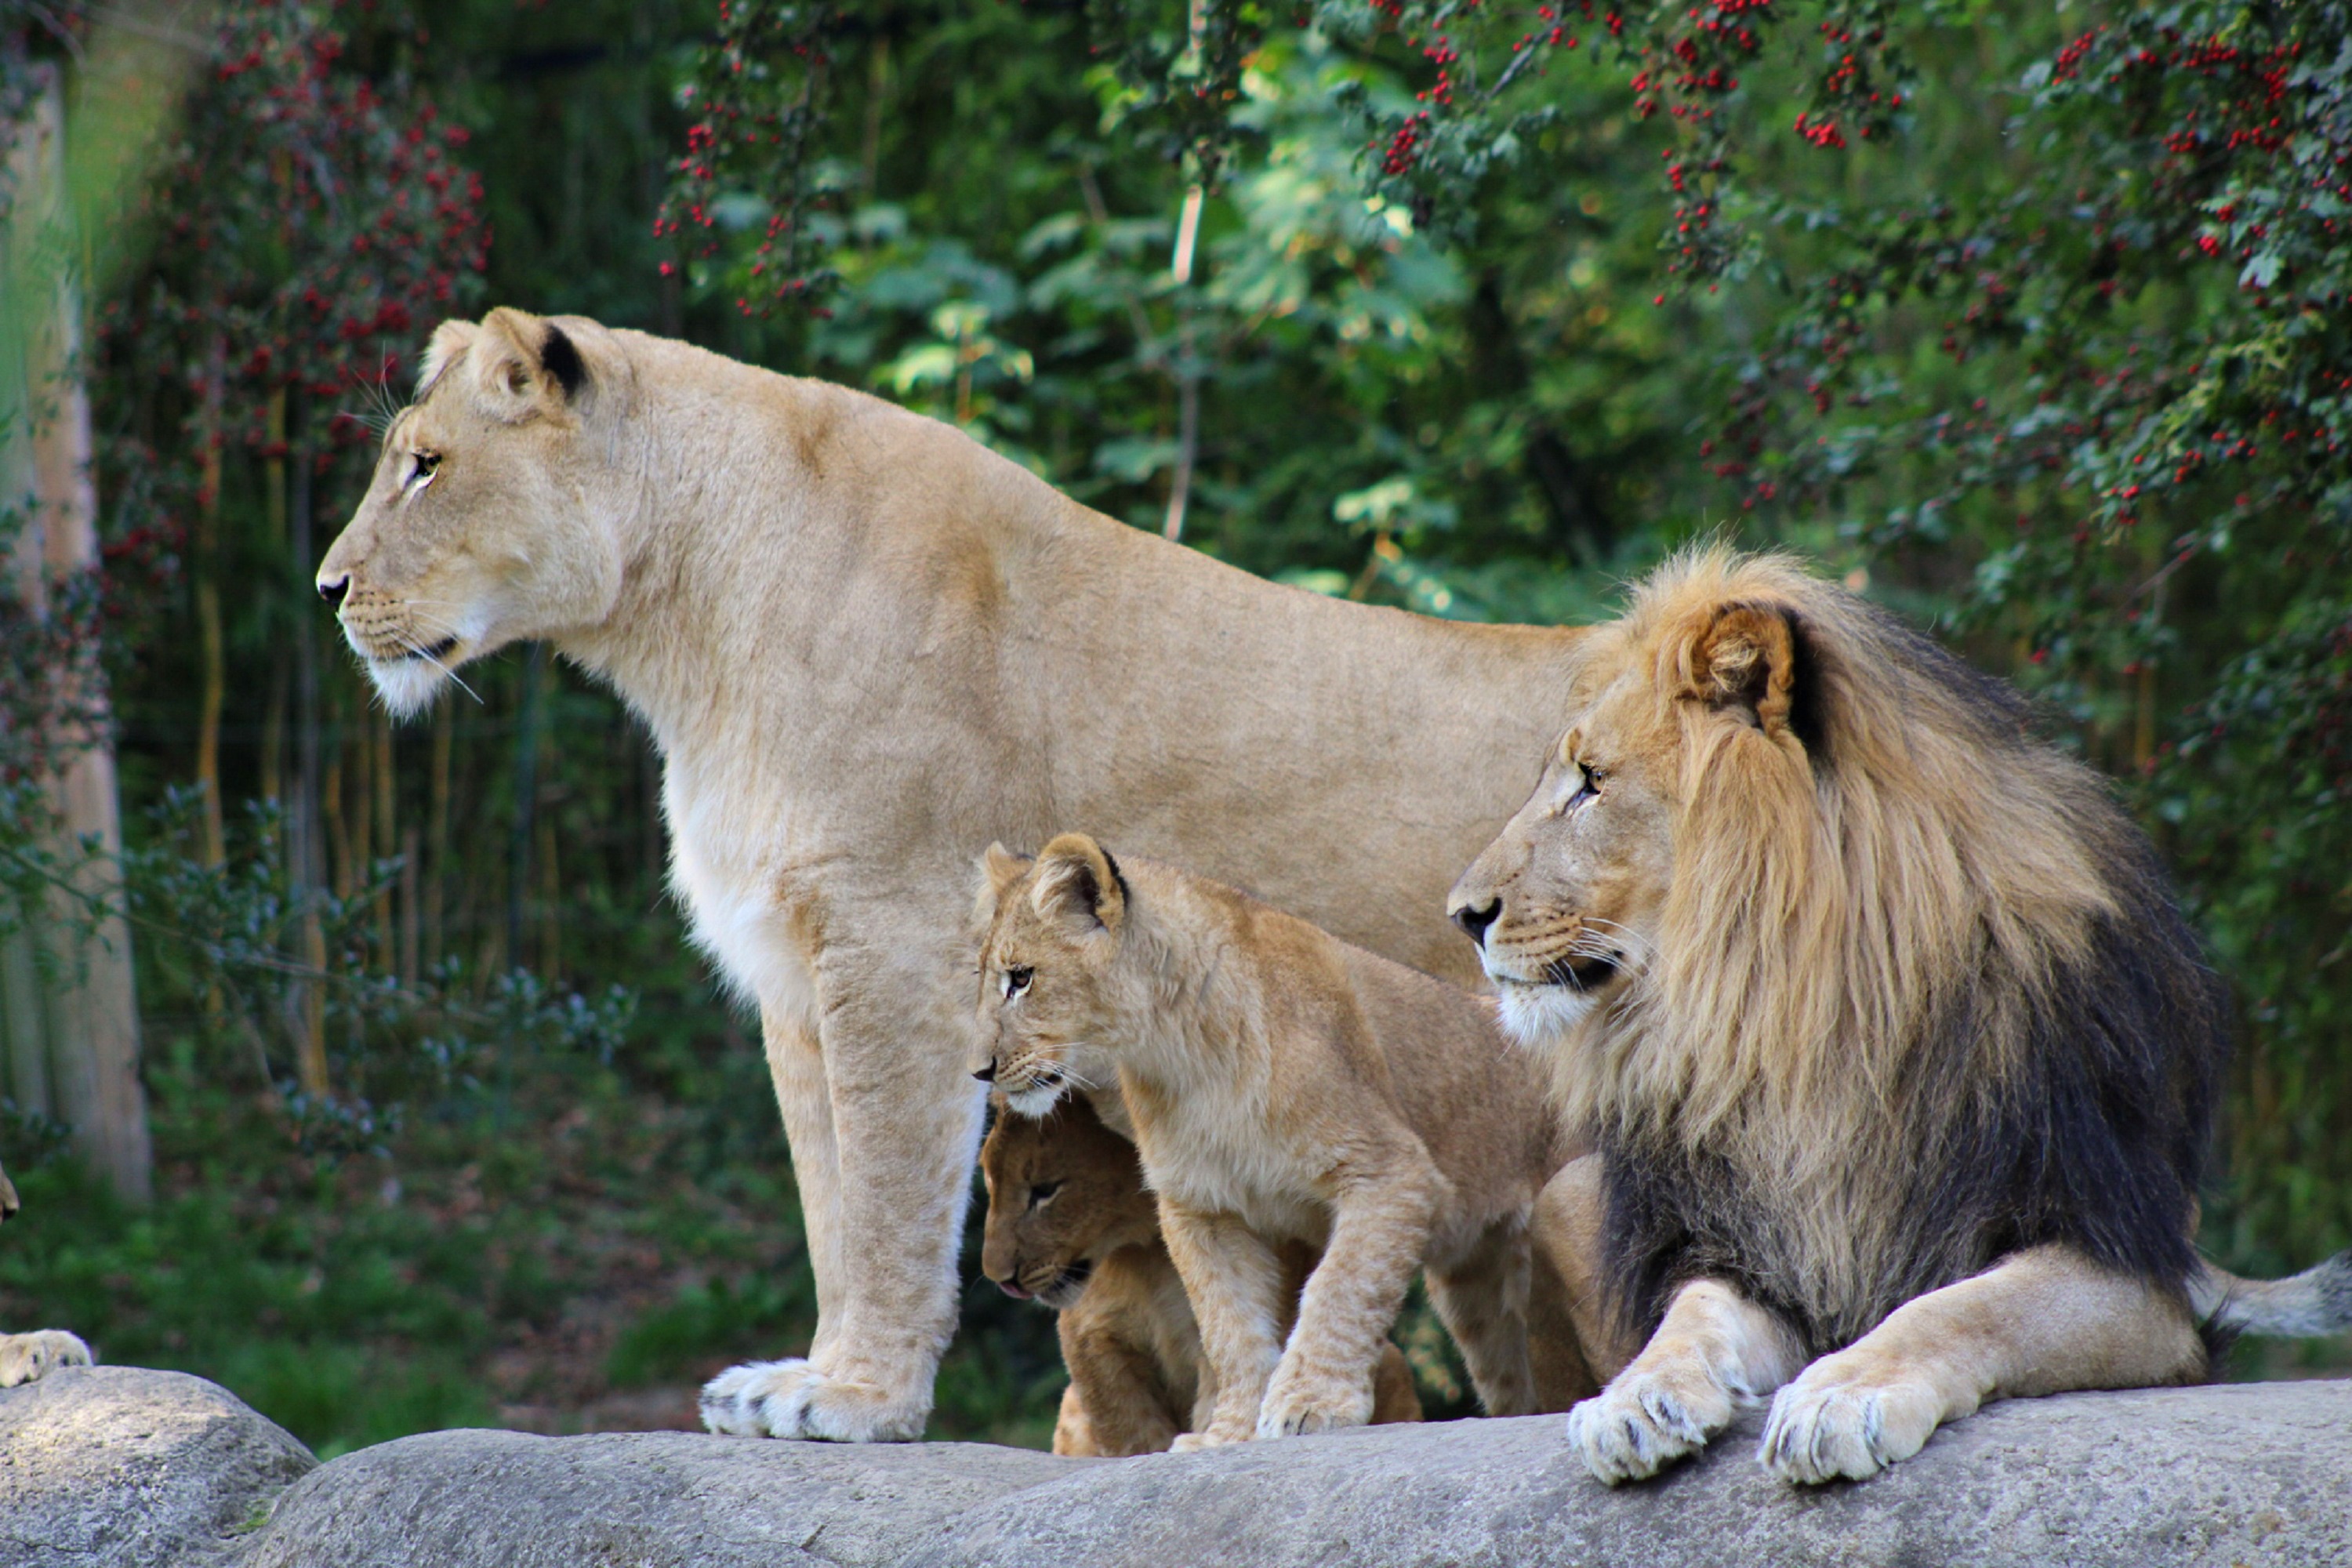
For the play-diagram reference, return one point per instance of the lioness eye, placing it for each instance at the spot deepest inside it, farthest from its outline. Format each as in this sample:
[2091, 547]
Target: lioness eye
[426, 463]
[1016, 980]
[1043, 1192]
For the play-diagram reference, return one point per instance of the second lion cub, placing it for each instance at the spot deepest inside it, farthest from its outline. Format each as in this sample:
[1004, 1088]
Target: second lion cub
[1284, 1086]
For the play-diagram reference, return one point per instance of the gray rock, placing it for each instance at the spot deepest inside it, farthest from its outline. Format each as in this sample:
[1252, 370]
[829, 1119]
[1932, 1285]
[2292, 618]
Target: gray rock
[124, 1466]
[2247, 1474]
[645, 1499]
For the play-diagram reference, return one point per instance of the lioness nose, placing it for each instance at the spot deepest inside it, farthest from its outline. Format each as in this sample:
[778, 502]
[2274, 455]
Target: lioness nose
[1473, 920]
[988, 1073]
[333, 590]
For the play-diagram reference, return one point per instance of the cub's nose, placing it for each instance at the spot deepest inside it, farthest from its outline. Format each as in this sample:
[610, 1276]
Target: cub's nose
[986, 1074]
[332, 589]
[1473, 920]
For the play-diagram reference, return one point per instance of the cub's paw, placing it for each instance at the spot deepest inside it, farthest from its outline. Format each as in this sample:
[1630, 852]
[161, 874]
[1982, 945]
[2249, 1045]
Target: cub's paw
[25, 1357]
[1299, 1401]
[1644, 1421]
[1201, 1442]
[1843, 1421]
[794, 1399]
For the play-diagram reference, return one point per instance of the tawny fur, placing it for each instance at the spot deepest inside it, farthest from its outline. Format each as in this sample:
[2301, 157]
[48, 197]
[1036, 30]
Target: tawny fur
[865, 646]
[1071, 1224]
[1894, 1043]
[1284, 1086]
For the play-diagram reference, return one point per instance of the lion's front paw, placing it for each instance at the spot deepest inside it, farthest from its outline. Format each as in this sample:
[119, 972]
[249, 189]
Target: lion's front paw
[1299, 1402]
[1198, 1442]
[25, 1357]
[1644, 1421]
[1841, 1420]
[796, 1399]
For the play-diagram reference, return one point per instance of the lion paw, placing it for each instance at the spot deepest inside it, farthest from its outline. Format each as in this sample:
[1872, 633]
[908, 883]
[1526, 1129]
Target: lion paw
[1644, 1421]
[1836, 1422]
[1200, 1442]
[796, 1399]
[25, 1358]
[1305, 1402]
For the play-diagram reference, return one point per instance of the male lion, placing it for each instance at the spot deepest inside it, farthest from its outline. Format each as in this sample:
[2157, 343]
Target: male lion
[1285, 1087]
[866, 645]
[25, 1357]
[1901, 1059]
[1071, 1225]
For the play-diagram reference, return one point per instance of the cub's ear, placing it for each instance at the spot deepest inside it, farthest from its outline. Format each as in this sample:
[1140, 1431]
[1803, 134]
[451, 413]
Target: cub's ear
[1003, 868]
[1741, 659]
[522, 363]
[1080, 885]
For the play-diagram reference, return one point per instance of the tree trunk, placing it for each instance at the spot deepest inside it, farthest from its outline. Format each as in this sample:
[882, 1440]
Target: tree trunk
[90, 1017]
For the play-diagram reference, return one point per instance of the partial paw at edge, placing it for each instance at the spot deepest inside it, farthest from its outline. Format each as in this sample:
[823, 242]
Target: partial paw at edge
[29, 1357]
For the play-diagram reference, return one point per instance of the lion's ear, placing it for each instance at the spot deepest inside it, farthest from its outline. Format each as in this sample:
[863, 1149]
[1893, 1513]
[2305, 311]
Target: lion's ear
[1742, 658]
[1080, 885]
[521, 362]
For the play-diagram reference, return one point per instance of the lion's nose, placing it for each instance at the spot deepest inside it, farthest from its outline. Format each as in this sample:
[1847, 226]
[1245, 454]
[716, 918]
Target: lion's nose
[333, 590]
[986, 1074]
[1473, 920]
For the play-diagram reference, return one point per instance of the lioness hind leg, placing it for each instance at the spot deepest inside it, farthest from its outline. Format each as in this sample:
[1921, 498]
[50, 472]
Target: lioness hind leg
[2040, 1321]
[26, 1357]
[1716, 1351]
[1482, 1302]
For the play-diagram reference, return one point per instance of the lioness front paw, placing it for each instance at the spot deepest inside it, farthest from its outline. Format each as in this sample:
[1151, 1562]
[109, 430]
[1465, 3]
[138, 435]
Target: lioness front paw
[794, 1399]
[1841, 1420]
[26, 1357]
[1644, 1421]
[1298, 1403]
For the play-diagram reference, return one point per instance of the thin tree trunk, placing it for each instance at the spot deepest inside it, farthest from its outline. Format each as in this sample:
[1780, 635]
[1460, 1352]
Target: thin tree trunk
[212, 647]
[306, 853]
[383, 789]
[437, 810]
[1187, 366]
[91, 1017]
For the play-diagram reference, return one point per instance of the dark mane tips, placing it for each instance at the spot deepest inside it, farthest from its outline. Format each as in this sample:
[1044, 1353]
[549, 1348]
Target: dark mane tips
[561, 358]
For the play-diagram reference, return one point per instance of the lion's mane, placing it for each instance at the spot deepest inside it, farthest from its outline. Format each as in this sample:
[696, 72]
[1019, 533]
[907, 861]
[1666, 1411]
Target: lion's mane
[1921, 996]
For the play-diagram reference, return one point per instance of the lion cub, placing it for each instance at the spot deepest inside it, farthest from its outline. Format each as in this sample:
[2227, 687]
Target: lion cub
[1284, 1086]
[1070, 1225]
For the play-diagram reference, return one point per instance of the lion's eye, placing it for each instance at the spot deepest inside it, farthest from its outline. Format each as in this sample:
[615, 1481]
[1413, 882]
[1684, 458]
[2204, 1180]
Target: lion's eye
[1043, 1192]
[424, 466]
[1587, 786]
[1016, 980]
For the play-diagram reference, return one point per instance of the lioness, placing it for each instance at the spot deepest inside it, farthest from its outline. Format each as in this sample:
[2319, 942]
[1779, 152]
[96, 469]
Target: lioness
[24, 1357]
[1901, 1058]
[866, 645]
[1284, 1086]
[1071, 1225]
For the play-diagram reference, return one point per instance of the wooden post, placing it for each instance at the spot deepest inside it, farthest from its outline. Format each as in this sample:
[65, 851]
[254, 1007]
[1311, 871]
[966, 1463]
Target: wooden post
[90, 1014]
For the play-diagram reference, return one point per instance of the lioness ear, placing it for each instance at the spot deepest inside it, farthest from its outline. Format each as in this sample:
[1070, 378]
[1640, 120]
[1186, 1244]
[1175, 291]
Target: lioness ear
[520, 361]
[450, 339]
[1079, 884]
[1742, 658]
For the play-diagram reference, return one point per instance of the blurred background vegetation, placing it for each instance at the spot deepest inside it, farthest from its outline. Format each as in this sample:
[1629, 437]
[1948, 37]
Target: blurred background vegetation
[2028, 321]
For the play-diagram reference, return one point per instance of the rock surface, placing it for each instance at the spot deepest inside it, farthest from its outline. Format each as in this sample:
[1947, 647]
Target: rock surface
[120, 1467]
[124, 1467]
[648, 1500]
[2243, 1475]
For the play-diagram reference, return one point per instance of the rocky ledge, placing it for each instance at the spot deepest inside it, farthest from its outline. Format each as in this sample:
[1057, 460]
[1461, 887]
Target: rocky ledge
[107, 1465]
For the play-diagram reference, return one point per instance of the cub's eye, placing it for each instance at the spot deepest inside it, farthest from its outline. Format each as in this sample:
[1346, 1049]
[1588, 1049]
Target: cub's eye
[1043, 1194]
[1016, 980]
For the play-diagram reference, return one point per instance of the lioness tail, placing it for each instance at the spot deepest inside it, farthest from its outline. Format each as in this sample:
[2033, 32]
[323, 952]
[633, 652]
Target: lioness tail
[2317, 1301]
